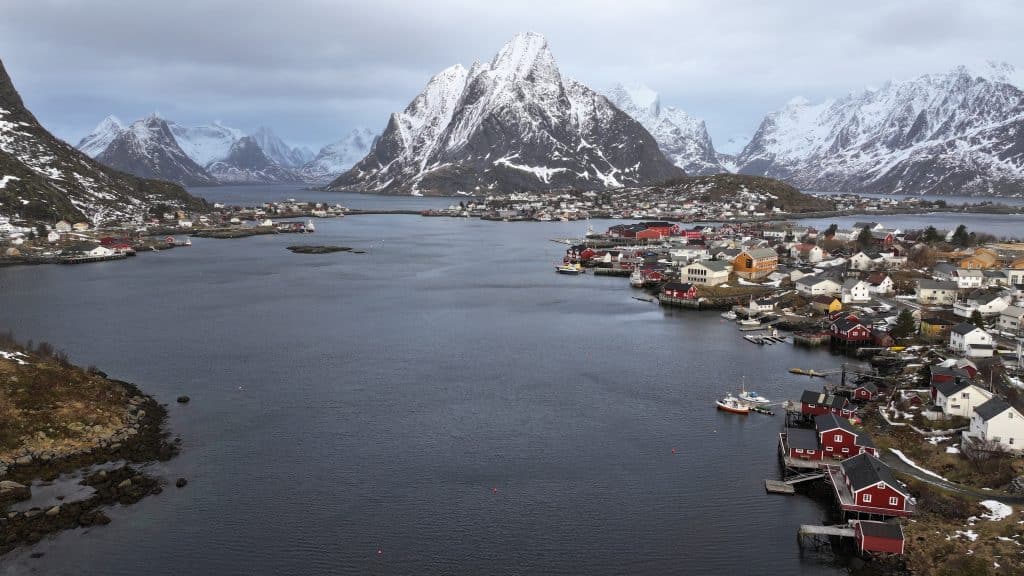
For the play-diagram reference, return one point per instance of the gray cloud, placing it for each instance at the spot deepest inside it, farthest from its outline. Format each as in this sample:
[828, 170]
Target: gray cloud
[312, 69]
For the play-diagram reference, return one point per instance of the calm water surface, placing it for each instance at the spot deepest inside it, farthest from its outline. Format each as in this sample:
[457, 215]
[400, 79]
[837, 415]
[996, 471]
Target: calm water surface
[344, 404]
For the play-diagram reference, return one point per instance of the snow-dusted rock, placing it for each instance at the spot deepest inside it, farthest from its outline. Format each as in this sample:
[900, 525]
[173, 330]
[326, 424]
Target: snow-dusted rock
[336, 158]
[512, 124]
[954, 133]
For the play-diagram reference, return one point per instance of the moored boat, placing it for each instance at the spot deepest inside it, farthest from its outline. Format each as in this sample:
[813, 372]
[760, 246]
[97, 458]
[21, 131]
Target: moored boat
[729, 315]
[750, 322]
[636, 279]
[753, 397]
[731, 404]
[570, 269]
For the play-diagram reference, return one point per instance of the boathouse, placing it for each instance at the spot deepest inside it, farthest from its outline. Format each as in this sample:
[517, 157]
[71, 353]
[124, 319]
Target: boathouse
[680, 290]
[865, 392]
[864, 485]
[878, 537]
[839, 439]
[849, 330]
[801, 444]
[815, 403]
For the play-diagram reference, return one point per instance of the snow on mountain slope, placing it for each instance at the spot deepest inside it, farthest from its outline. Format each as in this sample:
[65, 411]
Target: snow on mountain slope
[246, 163]
[280, 152]
[147, 148]
[512, 124]
[336, 158]
[42, 178]
[683, 138]
[101, 137]
[205, 143]
[953, 133]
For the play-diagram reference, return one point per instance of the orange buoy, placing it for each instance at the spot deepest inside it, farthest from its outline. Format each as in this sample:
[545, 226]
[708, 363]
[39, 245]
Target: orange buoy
[494, 490]
[673, 450]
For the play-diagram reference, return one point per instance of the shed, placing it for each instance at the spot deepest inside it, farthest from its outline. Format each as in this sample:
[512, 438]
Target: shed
[879, 537]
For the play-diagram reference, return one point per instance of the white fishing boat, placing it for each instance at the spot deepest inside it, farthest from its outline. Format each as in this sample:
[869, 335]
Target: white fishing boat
[753, 397]
[750, 322]
[636, 279]
[729, 315]
[732, 404]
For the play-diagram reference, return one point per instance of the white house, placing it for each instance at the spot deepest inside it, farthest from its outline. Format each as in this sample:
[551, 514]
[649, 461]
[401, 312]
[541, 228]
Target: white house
[5, 225]
[935, 292]
[1011, 319]
[966, 279]
[814, 285]
[62, 226]
[997, 422]
[708, 273]
[880, 283]
[807, 252]
[1015, 277]
[689, 253]
[854, 290]
[988, 304]
[959, 397]
[971, 341]
[865, 261]
[100, 251]
[52, 236]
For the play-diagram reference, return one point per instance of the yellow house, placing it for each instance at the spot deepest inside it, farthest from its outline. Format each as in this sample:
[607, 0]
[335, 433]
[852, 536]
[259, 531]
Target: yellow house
[982, 259]
[936, 329]
[826, 304]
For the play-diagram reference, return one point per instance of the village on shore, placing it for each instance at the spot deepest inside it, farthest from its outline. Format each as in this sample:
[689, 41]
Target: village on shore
[907, 447]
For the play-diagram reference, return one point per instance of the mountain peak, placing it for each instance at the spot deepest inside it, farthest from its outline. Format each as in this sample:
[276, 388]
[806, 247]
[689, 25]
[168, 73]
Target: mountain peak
[520, 55]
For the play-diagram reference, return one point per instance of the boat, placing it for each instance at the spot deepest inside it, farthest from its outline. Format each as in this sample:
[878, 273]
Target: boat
[762, 410]
[729, 315]
[570, 269]
[750, 322]
[636, 279]
[732, 404]
[753, 397]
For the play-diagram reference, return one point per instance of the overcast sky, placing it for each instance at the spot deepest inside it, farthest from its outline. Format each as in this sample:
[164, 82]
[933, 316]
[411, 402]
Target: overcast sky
[314, 69]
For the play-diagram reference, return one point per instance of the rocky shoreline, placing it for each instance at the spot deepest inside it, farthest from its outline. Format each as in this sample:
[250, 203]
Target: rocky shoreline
[141, 439]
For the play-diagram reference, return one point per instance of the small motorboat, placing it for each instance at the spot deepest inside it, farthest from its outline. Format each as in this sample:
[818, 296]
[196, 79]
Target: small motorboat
[762, 410]
[732, 404]
[750, 322]
[730, 315]
[753, 397]
[570, 269]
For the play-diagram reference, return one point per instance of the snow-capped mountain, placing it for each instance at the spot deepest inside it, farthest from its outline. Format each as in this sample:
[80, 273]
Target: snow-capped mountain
[278, 151]
[683, 138]
[953, 133]
[338, 157]
[42, 178]
[101, 136]
[512, 124]
[148, 148]
[205, 143]
[246, 163]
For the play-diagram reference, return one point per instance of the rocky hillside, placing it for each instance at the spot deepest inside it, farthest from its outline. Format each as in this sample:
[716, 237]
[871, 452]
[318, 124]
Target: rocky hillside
[956, 133]
[42, 178]
[683, 138]
[720, 187]
[512, 124]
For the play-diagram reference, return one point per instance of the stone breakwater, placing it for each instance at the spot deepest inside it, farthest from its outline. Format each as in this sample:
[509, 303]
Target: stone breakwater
[140, 439]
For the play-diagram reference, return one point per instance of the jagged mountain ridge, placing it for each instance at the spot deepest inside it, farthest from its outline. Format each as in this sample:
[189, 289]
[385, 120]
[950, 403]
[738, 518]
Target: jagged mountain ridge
[512, 124]
[683, 138]
[147, 148]
[953, 133]
[43, 178]
[278, 151]
[334, 159]
[246, 163]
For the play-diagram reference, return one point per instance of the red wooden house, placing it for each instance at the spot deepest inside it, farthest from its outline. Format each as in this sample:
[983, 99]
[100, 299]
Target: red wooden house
[815, 403]
[683, 291]
[878, 537]
[801, 444]
[692, 234]
[662, 228]
[849, 329]
[839, 439]
[865, 392]
[865, 485]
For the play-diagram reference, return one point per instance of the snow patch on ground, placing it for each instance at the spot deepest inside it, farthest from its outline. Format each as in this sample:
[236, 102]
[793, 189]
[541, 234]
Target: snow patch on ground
[934, 440]
[15, 356]
[969, 534]
[5, 179]
[996, 510]
[910, 463]
[952, 450]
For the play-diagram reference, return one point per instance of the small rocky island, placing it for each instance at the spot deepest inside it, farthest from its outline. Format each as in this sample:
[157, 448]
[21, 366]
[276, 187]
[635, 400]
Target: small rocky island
[308, 249]
[69, 439]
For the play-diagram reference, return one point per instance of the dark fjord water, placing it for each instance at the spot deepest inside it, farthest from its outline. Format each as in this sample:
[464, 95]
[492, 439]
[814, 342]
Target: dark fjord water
[345, 404]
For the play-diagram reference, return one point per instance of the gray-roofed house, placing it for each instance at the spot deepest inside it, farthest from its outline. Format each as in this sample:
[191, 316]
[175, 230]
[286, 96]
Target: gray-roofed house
[996, 423]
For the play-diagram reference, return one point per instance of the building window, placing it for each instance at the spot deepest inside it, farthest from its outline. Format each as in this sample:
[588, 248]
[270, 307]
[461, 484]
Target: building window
[828, 448]
[846, 450]
[839, 437]
[965, 395]
[866, 498]
[894, 501]
[799, 450]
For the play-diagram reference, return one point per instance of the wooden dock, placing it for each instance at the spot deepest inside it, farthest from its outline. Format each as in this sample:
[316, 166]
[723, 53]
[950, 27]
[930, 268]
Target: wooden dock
[88, 259]
[612, 272]
[841, 531]
[778, 487]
